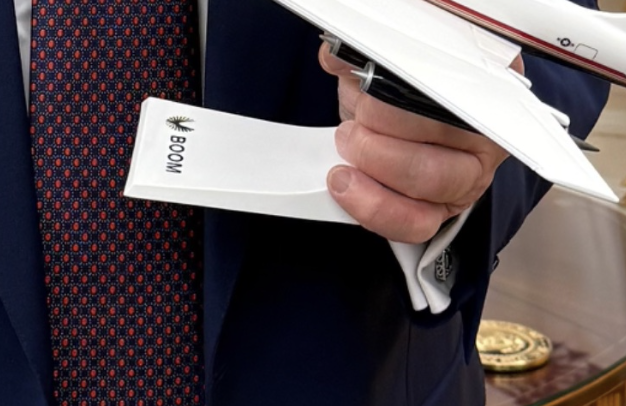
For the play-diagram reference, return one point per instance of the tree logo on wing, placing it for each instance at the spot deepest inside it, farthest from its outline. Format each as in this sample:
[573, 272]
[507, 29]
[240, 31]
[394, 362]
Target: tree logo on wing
[178, 123]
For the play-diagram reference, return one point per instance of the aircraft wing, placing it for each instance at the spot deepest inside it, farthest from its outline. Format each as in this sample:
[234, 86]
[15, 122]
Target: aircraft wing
[465, 69]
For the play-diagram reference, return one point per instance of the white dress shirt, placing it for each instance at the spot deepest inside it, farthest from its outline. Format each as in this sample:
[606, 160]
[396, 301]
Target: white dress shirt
[425, 289]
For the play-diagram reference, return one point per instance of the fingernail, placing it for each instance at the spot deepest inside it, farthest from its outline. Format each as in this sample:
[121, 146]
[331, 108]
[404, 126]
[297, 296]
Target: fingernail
[342, 135]
[340, 180]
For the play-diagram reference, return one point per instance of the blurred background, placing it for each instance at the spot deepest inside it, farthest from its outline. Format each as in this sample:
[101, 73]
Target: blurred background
[564, 275]
[612, 5]
[610, 133]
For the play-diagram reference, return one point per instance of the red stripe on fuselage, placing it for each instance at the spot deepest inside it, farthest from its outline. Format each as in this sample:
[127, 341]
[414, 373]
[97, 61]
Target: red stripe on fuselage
[511, 32]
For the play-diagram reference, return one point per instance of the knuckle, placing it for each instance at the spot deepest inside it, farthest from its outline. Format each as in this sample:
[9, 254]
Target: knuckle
[421, 172]
[483, 183]
[467, 179]
[347, 97]
[423, 229]
[363, 144]
[434, 175]
[453, 210]
[372, 216]
[345, 114]
[399, 218]
[372, 112]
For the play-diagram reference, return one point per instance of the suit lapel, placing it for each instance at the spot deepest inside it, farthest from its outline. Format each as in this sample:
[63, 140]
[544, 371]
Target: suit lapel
[22, 290]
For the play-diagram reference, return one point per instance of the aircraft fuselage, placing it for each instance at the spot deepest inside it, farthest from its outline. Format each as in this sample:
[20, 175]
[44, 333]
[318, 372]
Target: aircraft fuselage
[559, 29]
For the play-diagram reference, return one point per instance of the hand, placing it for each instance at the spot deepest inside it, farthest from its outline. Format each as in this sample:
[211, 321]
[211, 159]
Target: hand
[409, 173]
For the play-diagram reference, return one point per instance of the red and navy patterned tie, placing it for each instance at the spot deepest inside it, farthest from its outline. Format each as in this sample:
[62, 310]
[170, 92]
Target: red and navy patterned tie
[122, 274]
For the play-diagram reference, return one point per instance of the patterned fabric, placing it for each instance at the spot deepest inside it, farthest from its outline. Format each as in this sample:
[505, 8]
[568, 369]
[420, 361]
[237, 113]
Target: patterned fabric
[122, 274]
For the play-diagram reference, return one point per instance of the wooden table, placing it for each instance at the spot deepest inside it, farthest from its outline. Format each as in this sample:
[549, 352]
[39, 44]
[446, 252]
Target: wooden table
[565, 275]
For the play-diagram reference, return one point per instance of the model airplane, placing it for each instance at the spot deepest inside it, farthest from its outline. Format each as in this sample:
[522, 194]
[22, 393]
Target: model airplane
[558, 29]
[465, 68]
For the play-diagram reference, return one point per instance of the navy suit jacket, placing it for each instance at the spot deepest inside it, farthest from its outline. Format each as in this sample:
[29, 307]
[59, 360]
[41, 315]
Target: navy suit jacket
[296, 312]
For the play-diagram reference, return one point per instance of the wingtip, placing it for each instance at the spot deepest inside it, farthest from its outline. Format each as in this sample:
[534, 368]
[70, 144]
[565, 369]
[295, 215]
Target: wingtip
[584, 145]
[598, 190]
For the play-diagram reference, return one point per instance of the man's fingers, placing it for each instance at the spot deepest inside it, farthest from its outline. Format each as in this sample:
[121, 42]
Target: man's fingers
[518, 64]
[409, 173]
[416, 170]
[348, 89]
[349, 96]
[332, 64]
[383, 211]
[383, 118]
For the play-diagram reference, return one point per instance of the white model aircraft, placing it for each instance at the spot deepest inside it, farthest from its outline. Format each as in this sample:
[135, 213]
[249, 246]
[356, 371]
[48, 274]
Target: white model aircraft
[465, 68]
[588, 39]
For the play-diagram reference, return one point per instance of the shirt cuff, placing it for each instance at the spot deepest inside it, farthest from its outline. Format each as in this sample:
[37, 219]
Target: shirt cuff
[428, 268]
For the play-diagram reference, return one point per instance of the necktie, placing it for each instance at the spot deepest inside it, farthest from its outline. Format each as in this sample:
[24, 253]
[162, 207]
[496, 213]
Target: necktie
[122, 275]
